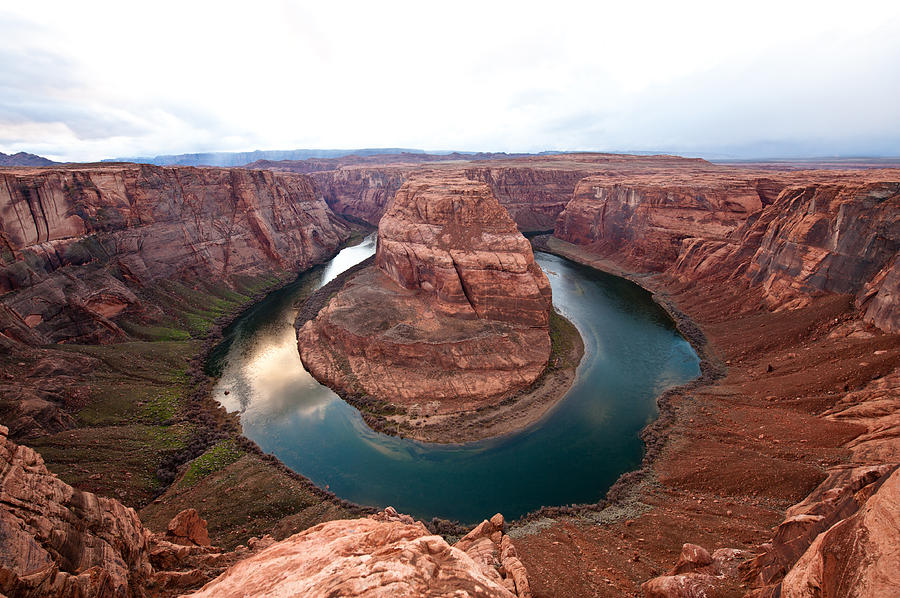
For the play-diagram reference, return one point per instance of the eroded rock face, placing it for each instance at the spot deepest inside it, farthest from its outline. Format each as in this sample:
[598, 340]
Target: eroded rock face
[836, 238]
[532, 189]
[449, 237]
[386, 555]
[77, 245]
[455, 314]
[697, 574]
[188, 528]
[360, 192]
[58, 541]
[646, 217]
[789, 235]
[817, 541]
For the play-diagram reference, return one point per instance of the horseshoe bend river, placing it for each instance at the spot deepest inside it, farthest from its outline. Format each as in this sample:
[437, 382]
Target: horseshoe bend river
[573, 455]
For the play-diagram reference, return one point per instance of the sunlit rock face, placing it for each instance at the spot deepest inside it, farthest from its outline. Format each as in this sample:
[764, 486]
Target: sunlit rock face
[449, 237]
[455, 313]
[790, 236]
[387, 555]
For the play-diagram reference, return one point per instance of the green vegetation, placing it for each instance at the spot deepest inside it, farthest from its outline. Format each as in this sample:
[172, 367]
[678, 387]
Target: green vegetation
[564, 338]
[217, 457]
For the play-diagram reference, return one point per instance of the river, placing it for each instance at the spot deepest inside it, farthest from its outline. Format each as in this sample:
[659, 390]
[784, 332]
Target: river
[573, 455]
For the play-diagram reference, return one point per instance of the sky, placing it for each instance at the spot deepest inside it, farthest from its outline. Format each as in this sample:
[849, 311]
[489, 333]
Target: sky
[88, 80]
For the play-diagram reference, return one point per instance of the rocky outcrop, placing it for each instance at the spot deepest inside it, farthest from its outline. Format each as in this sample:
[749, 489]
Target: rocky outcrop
[188, 528]
[79, 245]
[58, 541]
[834, 238]
[384, 555]
[448, 237]
[857, 557]
[840, 541]
[697, 574]
[455, 314]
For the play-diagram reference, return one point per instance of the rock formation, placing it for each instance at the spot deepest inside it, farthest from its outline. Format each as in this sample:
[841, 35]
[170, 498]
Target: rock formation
[58, 541]
[697, 574]
[361, 192]
[385, 555]
[646, 217]
[78, 245]
[455, 313]
[63, 543]
[834, 238]
[839, 541]
[448, 237]
[857, 557]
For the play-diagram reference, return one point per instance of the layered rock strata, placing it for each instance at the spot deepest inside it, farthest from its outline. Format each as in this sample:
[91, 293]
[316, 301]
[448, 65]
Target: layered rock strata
[454, 314]
[534, 190]
[792, 242]
[384, 555]
[78, 245]
[62, 542]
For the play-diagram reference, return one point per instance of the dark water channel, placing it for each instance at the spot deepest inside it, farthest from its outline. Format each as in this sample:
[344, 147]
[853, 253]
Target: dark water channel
[573, 455]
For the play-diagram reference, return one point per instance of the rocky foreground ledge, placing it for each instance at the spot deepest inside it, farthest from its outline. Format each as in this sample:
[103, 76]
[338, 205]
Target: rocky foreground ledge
[58, 541]
[454, 317]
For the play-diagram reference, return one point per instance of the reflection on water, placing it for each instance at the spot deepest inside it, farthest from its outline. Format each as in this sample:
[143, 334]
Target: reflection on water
[262, 374]
[573, 455]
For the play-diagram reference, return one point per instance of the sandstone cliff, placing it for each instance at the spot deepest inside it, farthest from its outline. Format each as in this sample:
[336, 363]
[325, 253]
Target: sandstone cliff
[77, 245]
[58, 541]
[361, 193]
[449, 237]
[790, 241]
[454, 315]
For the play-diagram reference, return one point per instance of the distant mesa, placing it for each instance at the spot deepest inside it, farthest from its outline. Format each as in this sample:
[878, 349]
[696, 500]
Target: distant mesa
[230, 159]
[24, 159]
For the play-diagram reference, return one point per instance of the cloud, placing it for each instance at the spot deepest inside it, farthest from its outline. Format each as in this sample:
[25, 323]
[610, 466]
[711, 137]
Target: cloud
[85, 82]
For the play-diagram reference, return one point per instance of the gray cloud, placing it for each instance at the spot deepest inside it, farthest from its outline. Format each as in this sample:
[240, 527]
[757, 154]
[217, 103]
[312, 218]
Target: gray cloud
[85, 85]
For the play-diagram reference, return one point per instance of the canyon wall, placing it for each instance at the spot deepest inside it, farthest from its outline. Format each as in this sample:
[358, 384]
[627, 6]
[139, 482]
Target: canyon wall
[644, 219]
[787, 240]
[360, 193]
[533, 189]
[79, 245]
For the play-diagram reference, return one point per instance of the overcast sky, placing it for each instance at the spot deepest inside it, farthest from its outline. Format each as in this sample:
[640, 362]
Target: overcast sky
[89, 80]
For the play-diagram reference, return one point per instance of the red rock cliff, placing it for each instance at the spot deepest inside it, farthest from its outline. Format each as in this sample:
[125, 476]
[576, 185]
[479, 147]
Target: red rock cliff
[644, 218]
[448, 236]
[77, 243]
[383, 556]
[836, 233]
